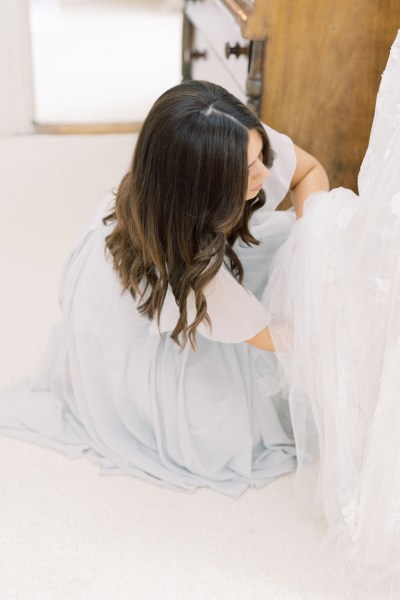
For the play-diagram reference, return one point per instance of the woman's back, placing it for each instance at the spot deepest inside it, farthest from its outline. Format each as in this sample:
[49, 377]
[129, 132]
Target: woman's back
[116, 386]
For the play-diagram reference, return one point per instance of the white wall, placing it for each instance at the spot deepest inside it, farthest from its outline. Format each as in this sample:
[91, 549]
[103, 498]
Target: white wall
[16, 81]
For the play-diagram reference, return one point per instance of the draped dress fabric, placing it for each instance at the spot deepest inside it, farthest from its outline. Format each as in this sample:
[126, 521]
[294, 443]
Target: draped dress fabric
[115, 387]
[334, 296]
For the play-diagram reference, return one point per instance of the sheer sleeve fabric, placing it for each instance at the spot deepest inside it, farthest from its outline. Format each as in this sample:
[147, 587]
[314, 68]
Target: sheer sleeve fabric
[277, 185]
[235, 313]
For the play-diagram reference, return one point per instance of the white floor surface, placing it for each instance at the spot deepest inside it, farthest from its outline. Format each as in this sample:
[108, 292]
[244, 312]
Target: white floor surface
[67, 533]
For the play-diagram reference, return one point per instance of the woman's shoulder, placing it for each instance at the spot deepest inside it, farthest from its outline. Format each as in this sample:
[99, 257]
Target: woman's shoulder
[277, 185]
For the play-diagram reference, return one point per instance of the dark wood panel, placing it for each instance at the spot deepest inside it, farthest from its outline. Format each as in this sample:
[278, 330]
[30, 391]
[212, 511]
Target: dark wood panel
[321, 74]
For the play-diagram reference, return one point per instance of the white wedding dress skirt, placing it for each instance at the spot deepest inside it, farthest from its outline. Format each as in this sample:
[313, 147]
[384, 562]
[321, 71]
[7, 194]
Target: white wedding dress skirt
[335, 296]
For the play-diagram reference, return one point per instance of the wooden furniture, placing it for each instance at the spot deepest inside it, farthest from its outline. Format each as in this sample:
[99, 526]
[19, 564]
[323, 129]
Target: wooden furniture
[309, 68]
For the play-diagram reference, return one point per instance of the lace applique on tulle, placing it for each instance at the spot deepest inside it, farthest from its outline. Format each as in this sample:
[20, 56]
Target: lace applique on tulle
[350, 513]
[395, 204]
[383, 285]
[345, 215]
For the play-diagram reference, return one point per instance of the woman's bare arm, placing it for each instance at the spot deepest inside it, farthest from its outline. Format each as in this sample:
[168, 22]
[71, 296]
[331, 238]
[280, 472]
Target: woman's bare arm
[262, 340]
[309, 177]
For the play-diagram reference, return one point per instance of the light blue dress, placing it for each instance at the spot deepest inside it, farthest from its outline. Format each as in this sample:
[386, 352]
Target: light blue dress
[113, 387]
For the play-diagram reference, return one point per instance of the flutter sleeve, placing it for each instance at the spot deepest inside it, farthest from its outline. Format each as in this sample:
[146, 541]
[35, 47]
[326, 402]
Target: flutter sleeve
[277, 185]
[235, 313]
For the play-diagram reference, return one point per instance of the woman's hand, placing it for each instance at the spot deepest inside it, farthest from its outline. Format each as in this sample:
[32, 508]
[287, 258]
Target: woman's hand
[309, 177]
[262, 340]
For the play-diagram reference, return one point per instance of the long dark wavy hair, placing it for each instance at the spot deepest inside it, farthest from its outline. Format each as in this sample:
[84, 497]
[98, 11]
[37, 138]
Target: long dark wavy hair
[182, 205]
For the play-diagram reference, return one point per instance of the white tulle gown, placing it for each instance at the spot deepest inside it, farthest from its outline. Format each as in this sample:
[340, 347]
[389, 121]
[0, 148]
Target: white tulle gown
[335, 298]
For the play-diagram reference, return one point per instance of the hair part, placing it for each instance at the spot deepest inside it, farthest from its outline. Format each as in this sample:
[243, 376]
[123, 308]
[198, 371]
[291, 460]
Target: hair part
[181, 206]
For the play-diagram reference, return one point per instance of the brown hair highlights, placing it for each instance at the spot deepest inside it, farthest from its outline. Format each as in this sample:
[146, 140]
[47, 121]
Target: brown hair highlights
[182, 205]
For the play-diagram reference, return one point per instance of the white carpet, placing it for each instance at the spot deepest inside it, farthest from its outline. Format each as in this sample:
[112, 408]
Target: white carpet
[67, 533]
